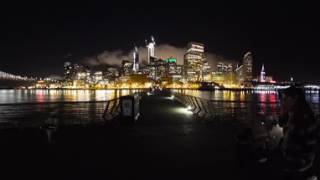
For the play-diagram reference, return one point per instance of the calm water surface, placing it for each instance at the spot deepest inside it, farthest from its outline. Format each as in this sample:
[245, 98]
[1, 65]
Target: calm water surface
[83, 106]
[32, 107]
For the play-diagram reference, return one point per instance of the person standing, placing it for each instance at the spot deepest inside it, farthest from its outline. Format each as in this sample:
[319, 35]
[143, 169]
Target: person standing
[300, 131]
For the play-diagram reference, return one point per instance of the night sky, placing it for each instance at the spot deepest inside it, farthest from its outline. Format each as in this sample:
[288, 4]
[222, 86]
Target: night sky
[35, 38]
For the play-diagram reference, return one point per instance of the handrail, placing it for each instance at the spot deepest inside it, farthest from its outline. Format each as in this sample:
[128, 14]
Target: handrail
[111, 110]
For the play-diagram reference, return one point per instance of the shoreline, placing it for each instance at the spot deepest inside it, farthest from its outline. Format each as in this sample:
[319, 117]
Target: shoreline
[143, 89]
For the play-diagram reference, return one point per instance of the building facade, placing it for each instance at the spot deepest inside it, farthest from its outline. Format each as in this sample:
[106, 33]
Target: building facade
[126, 68]
[224, 67]
[194, 60]
[135, 67]
[247, 66]
[150, 48]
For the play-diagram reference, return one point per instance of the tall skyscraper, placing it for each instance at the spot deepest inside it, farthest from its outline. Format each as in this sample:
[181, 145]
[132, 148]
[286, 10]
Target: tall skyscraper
[240, 74]
[150, 48]
[247, 65]
[68, 71]
[194, 62]
[135, 60]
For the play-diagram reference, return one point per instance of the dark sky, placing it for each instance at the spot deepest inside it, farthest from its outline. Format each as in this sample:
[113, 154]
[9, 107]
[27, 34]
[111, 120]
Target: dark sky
[36, 37]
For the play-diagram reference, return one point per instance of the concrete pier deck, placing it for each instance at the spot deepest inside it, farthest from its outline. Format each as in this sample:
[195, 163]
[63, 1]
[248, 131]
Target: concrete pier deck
[166, 142]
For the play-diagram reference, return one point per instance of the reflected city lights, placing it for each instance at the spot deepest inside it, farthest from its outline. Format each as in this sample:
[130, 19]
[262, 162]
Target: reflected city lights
[45, 95]
[242, 96]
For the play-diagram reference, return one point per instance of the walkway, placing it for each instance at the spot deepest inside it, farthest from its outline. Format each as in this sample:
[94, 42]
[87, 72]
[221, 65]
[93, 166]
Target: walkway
[166, 142]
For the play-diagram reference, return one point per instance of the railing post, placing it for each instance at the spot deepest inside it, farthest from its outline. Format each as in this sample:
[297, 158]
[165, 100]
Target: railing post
[196, 100]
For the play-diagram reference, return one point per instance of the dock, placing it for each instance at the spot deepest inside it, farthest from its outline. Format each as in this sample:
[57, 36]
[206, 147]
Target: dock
[166, 142]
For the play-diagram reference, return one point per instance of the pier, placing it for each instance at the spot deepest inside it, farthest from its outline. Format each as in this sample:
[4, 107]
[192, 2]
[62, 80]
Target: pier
[167, 141]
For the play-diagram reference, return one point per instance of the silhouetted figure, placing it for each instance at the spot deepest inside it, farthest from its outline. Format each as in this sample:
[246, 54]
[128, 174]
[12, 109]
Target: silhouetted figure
[299, 142]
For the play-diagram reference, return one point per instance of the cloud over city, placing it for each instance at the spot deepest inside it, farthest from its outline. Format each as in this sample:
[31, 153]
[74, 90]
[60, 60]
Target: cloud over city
[162, 51]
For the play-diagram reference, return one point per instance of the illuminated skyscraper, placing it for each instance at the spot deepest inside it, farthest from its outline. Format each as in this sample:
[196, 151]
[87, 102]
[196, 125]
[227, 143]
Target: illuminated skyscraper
[68, 71]
[247, 66]
[194, 62]
[240, 74]
[173, 69]
[135, 59]
[150, 48]
[97, 76]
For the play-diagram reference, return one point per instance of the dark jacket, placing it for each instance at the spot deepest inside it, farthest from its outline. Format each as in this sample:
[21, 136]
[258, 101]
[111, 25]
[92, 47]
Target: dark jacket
[300, 135]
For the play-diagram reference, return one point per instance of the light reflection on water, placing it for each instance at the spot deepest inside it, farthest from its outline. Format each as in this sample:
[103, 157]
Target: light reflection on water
[26, 105]
[42, 96]
[71, 106]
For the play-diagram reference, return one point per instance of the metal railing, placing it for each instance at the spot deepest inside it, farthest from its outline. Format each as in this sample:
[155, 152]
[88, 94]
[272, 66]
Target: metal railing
[208, 110]
[241, 115]
[260, 117]
[112, 109]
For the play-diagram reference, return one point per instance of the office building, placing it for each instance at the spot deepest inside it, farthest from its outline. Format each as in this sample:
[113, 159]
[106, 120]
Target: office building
[150, 49]
[193, 62]
[135, 66]
[247, 66]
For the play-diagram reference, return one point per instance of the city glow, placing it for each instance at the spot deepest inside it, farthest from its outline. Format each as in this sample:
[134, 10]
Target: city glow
[195, 73]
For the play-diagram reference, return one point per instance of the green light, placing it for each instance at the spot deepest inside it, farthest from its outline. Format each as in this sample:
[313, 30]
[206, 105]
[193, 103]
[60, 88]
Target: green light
[171, 60]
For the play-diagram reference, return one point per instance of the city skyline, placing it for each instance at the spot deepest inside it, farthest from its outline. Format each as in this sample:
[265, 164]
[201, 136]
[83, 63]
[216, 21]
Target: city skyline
[277, 37]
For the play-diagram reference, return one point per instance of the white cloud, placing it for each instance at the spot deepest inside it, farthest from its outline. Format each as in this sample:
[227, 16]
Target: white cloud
[163, 51]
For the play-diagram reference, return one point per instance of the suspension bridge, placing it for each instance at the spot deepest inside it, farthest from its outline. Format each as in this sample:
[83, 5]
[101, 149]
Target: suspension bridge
[8, 80]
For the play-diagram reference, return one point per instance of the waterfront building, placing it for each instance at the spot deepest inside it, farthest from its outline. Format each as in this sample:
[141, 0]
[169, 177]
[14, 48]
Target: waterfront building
[223, 70]
[173, 70]
[217, 77]
[240, 74]
[69, 73]
[75, 74]
[97, 77]
[247, 66]
[111, 74]
[194, 62]
[126, 68]
[206, 72]
[157, 68]
[243, 72]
